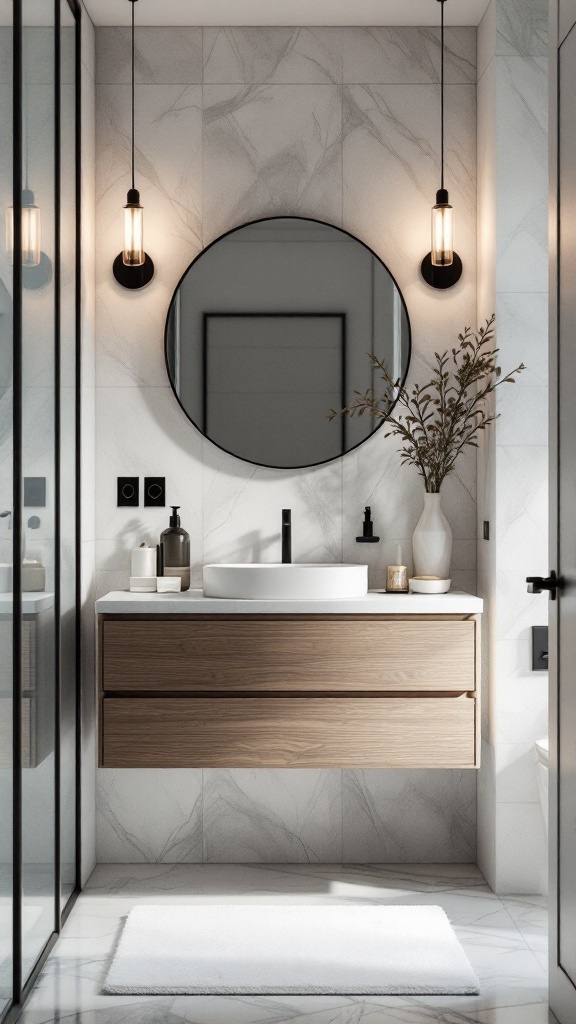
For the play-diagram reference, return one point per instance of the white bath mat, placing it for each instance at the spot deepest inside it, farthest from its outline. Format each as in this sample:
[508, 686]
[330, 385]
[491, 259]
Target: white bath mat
[253, 949]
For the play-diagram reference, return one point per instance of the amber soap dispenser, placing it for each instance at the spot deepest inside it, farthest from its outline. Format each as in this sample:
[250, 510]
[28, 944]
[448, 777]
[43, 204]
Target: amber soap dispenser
[175, 550]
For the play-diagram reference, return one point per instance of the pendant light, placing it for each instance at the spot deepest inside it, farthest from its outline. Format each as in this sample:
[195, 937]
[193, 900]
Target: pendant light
[133, 268]
[442, 267]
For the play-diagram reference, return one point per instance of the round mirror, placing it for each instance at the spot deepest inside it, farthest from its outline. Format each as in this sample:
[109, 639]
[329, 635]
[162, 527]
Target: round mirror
[271, 327]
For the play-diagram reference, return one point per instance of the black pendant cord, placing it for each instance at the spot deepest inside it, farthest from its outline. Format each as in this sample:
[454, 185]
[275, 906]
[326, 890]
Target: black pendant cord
[447, 275]
[442, 2]
[133, 2]
[140, 275]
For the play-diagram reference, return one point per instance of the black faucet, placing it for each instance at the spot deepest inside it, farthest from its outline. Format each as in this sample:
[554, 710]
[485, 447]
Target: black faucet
[286, 536]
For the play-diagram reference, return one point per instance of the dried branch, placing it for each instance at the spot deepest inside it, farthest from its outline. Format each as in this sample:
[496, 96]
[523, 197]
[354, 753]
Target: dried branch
[437, 420]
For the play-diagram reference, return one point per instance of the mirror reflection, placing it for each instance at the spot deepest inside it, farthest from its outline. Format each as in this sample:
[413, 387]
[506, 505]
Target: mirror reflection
[271, 327]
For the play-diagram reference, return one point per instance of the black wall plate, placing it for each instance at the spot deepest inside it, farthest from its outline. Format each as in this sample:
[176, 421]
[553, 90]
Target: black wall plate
[133, 277]
[155, 491]
[441, 277]
[539, 648]
[34, 492]
[128, 491]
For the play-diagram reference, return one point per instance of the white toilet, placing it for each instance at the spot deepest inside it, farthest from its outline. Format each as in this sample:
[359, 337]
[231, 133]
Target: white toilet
[542, 768]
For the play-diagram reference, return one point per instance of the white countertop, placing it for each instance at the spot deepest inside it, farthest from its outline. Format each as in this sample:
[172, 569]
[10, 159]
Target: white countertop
[33, 601]
[193, 602]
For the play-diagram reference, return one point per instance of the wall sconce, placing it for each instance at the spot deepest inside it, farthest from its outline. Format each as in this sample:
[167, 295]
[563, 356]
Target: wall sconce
[442, 267]
[132, 267]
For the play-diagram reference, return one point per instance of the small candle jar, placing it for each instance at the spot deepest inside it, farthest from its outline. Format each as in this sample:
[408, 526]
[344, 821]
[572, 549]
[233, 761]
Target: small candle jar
[397, 579]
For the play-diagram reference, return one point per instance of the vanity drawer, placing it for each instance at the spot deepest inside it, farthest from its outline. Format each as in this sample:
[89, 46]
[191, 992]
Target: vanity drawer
[272, 654]
[292, 732]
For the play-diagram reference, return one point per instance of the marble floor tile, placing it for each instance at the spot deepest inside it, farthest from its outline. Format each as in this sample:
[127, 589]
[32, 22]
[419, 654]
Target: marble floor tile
[495, 933]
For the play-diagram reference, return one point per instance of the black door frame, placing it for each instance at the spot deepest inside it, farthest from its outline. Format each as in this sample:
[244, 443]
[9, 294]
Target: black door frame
[22, 986]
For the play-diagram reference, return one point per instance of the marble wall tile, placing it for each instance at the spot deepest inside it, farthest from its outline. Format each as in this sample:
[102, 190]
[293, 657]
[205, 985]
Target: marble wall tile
[88, 43]
[521, 864]
[127, 831]
[523, 335]
[524, 412]
[522, 28]
[271, 149]
[388, 137]
[163, 55]
[486, 813]
[409, 816]
[516, 767]
[272, 816]
[521, 521]
[242, 510]
[273, 55]
[131, 324]
[522, 174]
[264, 136]
[486, 39]
[143, 452]
[517, 610]
[408, 55]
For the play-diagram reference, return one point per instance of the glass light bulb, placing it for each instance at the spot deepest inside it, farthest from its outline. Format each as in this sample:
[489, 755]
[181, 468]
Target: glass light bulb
[31, 234]
[442, 252]
[133, 245]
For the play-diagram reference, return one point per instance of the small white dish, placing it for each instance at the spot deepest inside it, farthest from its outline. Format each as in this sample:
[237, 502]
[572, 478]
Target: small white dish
[429, 585]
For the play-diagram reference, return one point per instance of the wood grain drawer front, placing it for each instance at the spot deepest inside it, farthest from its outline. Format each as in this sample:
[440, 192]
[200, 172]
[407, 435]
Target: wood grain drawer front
[311, 655]
[292, 732]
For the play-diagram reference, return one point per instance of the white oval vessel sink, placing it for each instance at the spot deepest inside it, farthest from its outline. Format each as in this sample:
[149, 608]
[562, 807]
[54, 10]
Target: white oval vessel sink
[270, 581]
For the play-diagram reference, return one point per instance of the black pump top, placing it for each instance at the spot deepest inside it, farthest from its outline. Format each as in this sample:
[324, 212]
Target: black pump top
[174, 518]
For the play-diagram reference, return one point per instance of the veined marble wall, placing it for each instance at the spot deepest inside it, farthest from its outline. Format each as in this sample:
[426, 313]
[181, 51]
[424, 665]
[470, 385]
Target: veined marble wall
[513, 464]
[231, 125]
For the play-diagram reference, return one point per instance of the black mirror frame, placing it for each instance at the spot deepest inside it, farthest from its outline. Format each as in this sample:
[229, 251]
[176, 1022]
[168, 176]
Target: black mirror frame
[239, 227]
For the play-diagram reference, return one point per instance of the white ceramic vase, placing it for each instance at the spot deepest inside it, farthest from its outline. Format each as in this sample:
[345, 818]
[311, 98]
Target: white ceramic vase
[432, 541]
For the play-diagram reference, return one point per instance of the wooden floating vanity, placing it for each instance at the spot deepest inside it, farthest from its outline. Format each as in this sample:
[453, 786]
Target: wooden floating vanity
[386, 681]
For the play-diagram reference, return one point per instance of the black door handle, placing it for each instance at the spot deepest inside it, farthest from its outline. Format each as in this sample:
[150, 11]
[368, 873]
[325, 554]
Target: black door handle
[551, 583]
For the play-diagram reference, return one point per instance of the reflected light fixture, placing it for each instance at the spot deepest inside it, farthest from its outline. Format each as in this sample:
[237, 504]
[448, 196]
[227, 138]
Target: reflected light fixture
[442, 267]
[133, 268]
[31, 231]
[30, 218]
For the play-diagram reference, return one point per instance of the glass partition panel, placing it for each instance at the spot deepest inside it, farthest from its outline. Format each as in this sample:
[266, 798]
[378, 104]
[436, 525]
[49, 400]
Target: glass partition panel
[39, 497]
[6, 503]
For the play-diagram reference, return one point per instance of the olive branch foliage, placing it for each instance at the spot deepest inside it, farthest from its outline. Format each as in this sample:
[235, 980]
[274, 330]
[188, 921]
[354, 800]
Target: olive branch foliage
[437, 420]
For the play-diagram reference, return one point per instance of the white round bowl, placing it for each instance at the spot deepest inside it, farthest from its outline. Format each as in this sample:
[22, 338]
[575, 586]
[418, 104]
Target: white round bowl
[429, 586]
